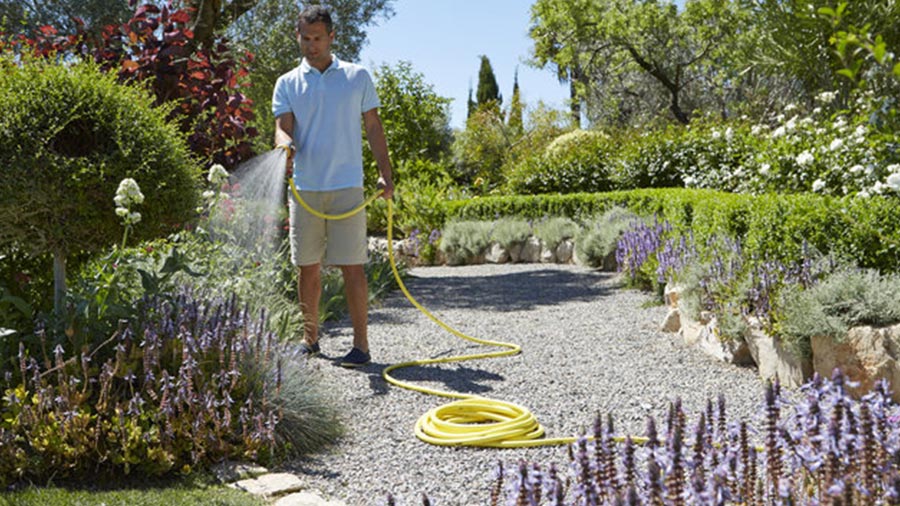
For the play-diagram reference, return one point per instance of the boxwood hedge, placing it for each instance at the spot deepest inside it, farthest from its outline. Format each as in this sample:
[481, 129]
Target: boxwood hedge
[774, 226]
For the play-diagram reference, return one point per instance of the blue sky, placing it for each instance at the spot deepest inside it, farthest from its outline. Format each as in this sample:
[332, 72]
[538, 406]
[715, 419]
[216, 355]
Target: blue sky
[443, 40]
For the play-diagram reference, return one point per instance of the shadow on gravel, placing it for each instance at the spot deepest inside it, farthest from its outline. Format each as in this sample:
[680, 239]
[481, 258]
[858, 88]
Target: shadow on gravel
[455, 378]
[310, 467]
[509, 292]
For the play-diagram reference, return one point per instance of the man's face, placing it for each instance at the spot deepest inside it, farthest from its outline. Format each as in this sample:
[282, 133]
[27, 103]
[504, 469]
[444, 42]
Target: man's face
[315, 43]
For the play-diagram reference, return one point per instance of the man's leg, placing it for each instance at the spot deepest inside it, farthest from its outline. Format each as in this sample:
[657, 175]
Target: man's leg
[309, 289]
[356, 290]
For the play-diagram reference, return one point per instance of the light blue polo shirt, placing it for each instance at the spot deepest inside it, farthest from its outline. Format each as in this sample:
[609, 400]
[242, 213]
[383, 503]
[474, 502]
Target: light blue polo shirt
[327, 109]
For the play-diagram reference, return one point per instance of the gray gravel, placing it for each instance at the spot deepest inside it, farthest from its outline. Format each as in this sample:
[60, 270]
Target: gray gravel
[588, 345]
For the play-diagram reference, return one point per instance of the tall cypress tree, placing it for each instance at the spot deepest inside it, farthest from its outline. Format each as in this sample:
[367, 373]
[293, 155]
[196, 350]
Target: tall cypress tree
[487, 91]
[515, 107]
[470, 104]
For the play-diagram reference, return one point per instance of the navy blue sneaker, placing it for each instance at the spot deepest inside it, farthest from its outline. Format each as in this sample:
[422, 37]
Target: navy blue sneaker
[309, 350]
[356, 358]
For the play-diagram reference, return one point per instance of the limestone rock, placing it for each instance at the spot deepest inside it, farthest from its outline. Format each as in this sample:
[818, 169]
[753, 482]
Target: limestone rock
[565, 251]
[773, 358]
[672, 323]
[306, 499]
[531, 251]
[272, 484]
[515, 252]
[672, 294]
[548, 255]
[496, 254]
[866, 355]
[705, 335]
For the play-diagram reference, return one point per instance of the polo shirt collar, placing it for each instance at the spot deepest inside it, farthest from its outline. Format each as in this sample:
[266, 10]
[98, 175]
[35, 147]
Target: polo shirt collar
[306, 67]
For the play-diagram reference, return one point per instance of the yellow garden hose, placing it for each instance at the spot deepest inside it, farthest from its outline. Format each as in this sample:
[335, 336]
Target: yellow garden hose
[472, 420]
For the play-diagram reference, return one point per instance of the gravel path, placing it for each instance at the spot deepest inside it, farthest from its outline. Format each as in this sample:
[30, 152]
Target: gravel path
[588, 346]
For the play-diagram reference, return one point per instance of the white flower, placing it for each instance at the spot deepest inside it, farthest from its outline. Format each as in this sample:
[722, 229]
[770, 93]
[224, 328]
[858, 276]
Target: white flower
[134, 217]
[690, 181]
[805, 158]
[894, 181]
[826, 97]
[790, 107]
[870, 170]
[716, 134]
[860, 131]
[778, 132]
[864, 194]
[791, 125]
[879, 187]
[836, 144]
[121, 212]
[893, 168]
[840, 123]
[128, 193]
[817, 185]
[856, 168]
[217, 175]
[806, 122]
[729, 134]
[757, 129]
[820, 131]
[779, 118]
[816, 111]
[764, 169]
[208, 194]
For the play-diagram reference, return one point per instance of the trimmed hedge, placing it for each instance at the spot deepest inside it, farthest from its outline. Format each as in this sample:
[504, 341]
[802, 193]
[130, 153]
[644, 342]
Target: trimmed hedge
[769, 226]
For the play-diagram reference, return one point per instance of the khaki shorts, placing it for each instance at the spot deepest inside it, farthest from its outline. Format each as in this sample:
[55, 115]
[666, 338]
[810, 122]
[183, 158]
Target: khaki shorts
[338, 242]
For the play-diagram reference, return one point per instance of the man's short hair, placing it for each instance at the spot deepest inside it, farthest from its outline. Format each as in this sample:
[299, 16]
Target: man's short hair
[315, 14]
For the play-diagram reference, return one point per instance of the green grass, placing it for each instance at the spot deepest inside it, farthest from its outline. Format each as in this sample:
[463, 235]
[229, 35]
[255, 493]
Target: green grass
[188, 491]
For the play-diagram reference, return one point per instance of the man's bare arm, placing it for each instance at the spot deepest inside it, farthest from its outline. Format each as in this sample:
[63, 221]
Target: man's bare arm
[378, 144]
[284, 130]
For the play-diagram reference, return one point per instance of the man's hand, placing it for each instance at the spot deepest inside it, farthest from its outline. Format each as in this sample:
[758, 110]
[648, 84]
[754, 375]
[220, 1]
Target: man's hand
[387, 185]
[289, 159]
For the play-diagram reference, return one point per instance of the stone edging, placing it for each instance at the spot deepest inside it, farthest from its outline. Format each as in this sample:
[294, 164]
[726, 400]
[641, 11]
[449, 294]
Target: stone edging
[865, 355]
[532, 250]
[281, 489]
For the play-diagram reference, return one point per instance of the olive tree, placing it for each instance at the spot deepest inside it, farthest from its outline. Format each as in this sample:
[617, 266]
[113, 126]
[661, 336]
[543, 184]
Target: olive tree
[68, 135]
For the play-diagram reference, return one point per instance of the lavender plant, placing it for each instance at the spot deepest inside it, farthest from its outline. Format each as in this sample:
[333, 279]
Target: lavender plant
[192, 380]
[823, 448]
[636, 251]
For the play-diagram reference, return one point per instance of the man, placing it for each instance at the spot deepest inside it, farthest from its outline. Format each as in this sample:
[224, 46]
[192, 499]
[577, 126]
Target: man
[317, 108]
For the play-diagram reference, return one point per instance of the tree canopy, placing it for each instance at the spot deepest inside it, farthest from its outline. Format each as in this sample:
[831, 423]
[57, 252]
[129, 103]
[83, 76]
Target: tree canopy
[635, 61]
[488, 93]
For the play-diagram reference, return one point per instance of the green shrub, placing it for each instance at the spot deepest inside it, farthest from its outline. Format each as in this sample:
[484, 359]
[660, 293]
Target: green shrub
[599, 237]
[862, 230]
[68, 135]
[421, 187]
[481, 149]
[553, 231]
[847, 298]
[508, 232]
[577, 161]
[463, 240]
[654, 159]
